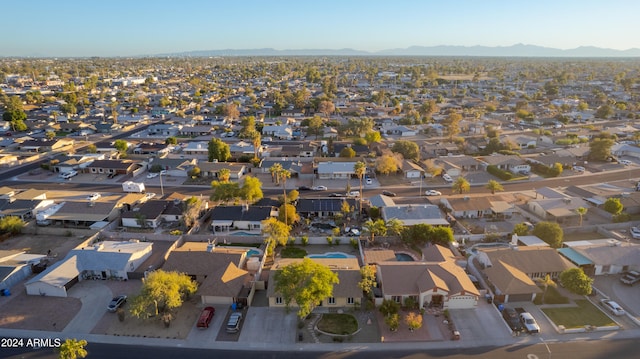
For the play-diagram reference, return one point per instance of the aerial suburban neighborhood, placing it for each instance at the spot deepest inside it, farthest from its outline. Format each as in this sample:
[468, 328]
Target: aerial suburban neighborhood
[320, 200]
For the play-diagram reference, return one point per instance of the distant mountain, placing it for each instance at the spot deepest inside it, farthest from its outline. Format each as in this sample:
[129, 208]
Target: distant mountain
[518, 50]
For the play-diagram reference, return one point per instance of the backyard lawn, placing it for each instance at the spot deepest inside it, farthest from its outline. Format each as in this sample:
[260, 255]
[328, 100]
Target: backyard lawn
[578, 317]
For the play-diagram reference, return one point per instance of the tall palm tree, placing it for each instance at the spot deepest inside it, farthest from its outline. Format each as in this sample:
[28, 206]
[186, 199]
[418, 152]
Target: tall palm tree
[461, 185]
[283, 175]
[581, 212]
[394, 226]
[275, 171]
[360, 169]
[546, 282]
[224, 175]
[494, 186]
[377, 227]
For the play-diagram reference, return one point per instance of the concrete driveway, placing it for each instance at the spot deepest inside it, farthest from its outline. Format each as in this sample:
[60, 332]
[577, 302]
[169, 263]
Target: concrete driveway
[269, 326]
[95, 297]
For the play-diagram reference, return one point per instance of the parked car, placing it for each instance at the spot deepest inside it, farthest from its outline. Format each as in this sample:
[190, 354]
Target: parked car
[612, 307]
[625, 162]
[68, 175]
[529, 323]
[630, 278]
[369, 181]
[205, 317]
[447, 178]
[578, 168]
[233, 325]
[319, 188]
[94, 196]
[152, 174]
[433, 192]
[511, 317]
[337, 195]
[354, 194]
[116, 303]
[635, 232]
[388, 193]
[304, 188]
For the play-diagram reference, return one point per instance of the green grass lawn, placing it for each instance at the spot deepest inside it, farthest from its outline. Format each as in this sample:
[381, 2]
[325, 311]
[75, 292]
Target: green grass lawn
[577, 317]
[551, 297]
[293, 252]
[578, 236]
[343, 324]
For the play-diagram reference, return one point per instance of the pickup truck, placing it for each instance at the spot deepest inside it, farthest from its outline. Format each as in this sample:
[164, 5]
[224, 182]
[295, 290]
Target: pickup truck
[630, 278]
[528, 322]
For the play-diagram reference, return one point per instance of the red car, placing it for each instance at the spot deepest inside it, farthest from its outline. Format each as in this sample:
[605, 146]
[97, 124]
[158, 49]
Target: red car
[205, 317]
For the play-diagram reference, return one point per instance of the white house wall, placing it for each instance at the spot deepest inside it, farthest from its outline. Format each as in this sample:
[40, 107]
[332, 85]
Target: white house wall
[44, 289]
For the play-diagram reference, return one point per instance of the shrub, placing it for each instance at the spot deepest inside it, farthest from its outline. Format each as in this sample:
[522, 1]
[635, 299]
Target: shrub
[330, 241]
[354, 243]
[503, 175]
[304, 240]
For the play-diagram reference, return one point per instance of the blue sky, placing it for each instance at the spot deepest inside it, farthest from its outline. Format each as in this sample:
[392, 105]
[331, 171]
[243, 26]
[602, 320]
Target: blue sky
[139, 27]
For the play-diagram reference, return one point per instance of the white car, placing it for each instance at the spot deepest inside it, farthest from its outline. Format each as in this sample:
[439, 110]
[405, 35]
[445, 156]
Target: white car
[612, 306]
[152, 175]
[625, 162]
[319, 188]
[93, 196]
[354, 194]
[68, 175]
[447, 178]
[433, 192]
[369, 181]
[635, 232]
[578, 168]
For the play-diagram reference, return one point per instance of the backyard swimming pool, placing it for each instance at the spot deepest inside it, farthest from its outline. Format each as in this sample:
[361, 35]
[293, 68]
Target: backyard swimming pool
[331, 255]
[403, 257]
[240, 233]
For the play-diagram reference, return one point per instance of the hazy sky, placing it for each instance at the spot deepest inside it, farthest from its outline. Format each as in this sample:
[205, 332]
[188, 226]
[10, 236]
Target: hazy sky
[140, 27]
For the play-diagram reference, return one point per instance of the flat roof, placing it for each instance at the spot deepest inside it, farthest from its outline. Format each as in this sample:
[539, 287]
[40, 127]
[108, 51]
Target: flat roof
[575, 257]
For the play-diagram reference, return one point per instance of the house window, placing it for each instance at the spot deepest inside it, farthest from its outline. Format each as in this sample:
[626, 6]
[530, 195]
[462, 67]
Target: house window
[350, 300]
[278, 300]
[396, 298]
[332, 300]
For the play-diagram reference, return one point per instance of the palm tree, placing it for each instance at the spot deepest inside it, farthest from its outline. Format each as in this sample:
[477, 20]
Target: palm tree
[360, 169]
[224, 175]
[72, 349]
[461, 185]
[494, 186]
[546, 282]
[275, 172]
[395, 226]
[283, 175]
[581, 211]
[377, 227]
[256, 140]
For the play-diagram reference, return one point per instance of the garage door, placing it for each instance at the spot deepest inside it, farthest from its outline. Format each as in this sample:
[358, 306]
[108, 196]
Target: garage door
[71, 283]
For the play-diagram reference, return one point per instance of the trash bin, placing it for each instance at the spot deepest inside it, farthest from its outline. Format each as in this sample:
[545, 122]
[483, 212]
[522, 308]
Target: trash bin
[488, 298]
[300, 336]
[456, 335]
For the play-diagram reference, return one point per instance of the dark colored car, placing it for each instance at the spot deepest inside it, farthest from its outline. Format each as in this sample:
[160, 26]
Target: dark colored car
[337, 195]
[304, 188]
[388, 193]
[511, 317]
[205, 317]
[116, 303]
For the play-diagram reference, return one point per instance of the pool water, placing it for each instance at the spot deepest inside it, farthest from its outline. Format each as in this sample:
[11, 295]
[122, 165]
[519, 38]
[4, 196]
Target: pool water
[253, 252]
[331, 255]
[243, 234]
[403, 257]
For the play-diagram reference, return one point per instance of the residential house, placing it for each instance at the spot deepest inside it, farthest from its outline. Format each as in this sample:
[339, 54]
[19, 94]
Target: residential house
[196, 148]
[85, 214]
[411, 170]
[45, 145]
[620, 150]
[522, 141]
[103, 260]
[151, 148]
[175, 167]
[511, 163]
[322, 207]
[242, 148]
[412, 214]
[163, 130]
[477, 206]
[436, 282]
[381, 200]
[227, 218]
[24, 209]
[219, 271]
[603, 256]
[282, 132]
[402, 131]
[107, 127]
[560, 210]
[148, 215]
[346, 293]
[120, 167]
[336, 170]
[212, 169]
[16, 266]
[193, 131]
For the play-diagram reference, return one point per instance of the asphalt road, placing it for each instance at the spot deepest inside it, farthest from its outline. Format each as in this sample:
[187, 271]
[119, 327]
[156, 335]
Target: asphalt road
[601, 349]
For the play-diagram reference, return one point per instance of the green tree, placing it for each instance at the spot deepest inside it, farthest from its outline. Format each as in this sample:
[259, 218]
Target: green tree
[372, 137]
[218, 150]
[347, 152]
[581, 212]
[171, 141]
[413, 320]
[251, 190]
[452, 123]
[92, 148]
[409, 150]
[576, 281]
[307, 283]
[50, 135]
[72, 349]
[461, 185]
[276, 233]
[604, 112]
[441, 235]
[375, 228]
[315, 125]
[248, 127]
[275, 172]
[224, 192]
[224, 175]
[161, 293]
[550, 232]
[290, 212]
[613, 206]
[194, 172]
[494, 186]
[121, 146]
[387, 164]
[600, 149]
[546, 282]
[360, 169]
[389, 307]
[394, 226]
[521, 229]
[368, 280]
[392, 321]
[14, 112]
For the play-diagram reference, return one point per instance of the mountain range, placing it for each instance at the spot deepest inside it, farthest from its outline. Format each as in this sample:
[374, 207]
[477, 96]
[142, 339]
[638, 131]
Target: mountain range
[518, 50]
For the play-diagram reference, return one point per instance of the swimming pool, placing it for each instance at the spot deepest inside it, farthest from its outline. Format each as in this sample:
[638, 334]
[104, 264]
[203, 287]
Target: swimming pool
[331, 255]
[404, 257]
[240, 233]
[254, 252]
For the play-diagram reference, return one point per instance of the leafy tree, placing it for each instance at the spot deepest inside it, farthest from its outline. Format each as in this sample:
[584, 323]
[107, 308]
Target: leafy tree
[461, 185]
[421, 234]
[389, 307]
[521, 229]
[494, 186]
[171, 141]
[292, 196]
[348, 152]
[315, 125]
[326, 108]
[600, 149]
[307, 283]
[546, 282]
[290, 212]
[413, 321]
[377, 227]
[441, 235]
[218, 150]
[14, 111]
[224, 191]
[194, 172]
[162, 292]
[92, 148]
[372, 137]
[550, 232]
[251, 190]
[394, 226]
[248, 127]
[191, 211]
[576, 281]
[387, 164]
[121, 146]
[581, 212]
[368, 279]
[11, 224]
[604, 112]
[224, 175]
[452, 123]
[72, 349]
[409, 150]
[230, 110]
[50, 135]
[613, 206]
[276, 232]
[275, 172]
[393, 321]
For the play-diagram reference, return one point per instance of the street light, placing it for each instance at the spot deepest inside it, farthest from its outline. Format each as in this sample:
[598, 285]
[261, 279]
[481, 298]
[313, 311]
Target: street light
[161, 188]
